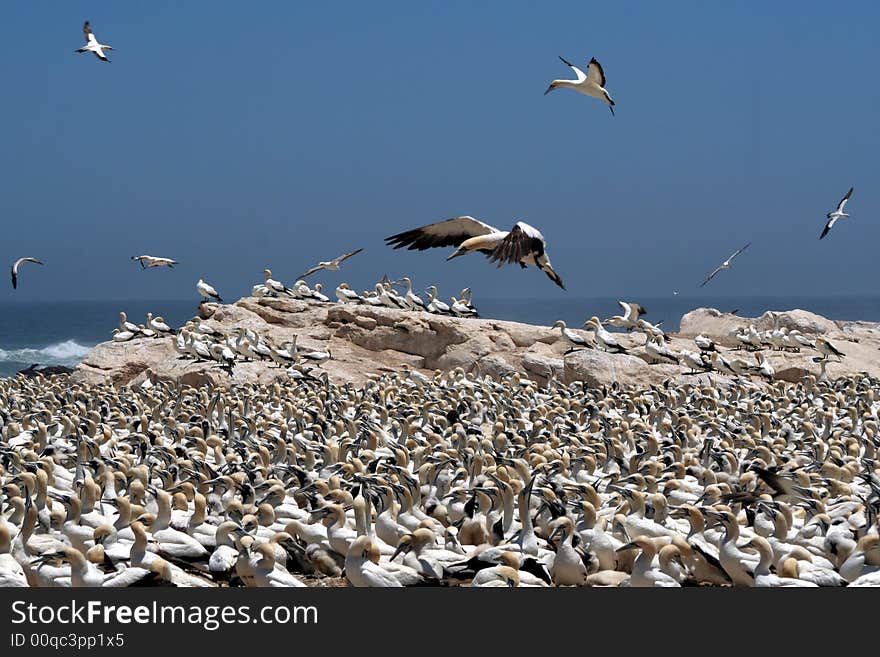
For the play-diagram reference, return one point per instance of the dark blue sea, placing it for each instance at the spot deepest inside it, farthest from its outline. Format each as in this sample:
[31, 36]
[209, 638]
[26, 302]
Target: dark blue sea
[62, 332]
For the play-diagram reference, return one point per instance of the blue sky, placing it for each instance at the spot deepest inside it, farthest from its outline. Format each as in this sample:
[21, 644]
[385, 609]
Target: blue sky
[234, 136]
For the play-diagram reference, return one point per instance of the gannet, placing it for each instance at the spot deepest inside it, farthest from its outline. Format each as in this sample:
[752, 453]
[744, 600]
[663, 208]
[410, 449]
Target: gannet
[346, 295]
[207, 291]
[435, 305]
[17, 264]
[704, 343]
[148, 261]
[725, 264]
[577, 341]
[412, 300]
[330, 265]
[92, 44]
[318, 295]
[604, 337]
[158, 324]
[658, 351]
[629, 319]
[125, 325]
[275, 286]
[590, 84]
[522, 244]
[317, 356]
[826, 348]
[836, 214]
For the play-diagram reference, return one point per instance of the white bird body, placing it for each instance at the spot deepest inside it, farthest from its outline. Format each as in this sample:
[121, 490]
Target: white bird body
[725, 264]
[523, 244]
[591, 83]
[838, 213]
[206, 291]
[18, 263]
[92, 44]
[331, 265]
[148, 261]
[346, 295]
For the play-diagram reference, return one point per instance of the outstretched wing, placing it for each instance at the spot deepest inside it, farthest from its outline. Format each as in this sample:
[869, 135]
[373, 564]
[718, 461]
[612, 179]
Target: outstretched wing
[451, 232]
[844, 200]
[521, 241]
[828, 226]
[595, 73]
[738, 251]
[311, 271]
[347, 255]
[551, 273]
[578, 72]
[710, 276]
[87, 33]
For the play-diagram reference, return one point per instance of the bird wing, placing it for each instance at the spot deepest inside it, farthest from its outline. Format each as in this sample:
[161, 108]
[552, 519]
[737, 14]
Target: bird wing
[520, 242]
[346, 256]
[738, 251]
[20, 261]
[311, 271]
[551, 273]
[595, 73]
[710, 276]
[828, 226]
[844, 200]
[87, 33]
[451, 232]
[781, 485]
[578, 72]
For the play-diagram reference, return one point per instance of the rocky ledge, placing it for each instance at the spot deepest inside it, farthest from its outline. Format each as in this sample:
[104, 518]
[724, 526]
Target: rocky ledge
[364, 340]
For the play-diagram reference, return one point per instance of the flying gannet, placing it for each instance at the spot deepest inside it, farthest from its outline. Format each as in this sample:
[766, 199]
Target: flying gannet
[522, 244]
[148, 261]
[92, 44]
[590, 84]
[725, 264]
[331, 265]
[18, 264]
[837, 214]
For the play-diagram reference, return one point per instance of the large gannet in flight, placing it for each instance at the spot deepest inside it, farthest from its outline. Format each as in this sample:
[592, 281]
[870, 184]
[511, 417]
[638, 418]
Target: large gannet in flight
[331, 265]
[92, 44]
[590, 84]
[18, 264]
[148, 261]
[522, 244]
[837, 214]
[725, 264]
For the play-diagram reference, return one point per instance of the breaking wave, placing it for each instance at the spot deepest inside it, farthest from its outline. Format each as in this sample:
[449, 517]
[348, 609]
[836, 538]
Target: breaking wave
[69, 352]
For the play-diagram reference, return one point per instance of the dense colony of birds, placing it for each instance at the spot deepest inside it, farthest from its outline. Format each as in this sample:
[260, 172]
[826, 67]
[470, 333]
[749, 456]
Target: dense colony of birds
[450, 479]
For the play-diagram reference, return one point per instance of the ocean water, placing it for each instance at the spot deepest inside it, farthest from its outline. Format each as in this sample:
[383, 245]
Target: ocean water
[61, 333]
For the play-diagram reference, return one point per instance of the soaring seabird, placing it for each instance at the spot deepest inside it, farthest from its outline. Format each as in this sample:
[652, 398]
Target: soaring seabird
[331, 265]
[18, 264]
[207, 291]
[92, 44]
[630, 318]
[725, 264]
[148, 261]
[591, 84]
[522, 244]
[837, 214]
